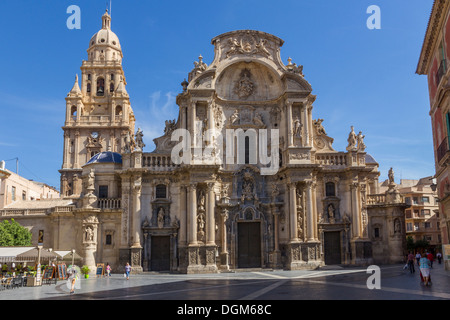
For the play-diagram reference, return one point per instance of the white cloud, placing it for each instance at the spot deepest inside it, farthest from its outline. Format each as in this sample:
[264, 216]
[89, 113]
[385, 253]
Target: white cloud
[152, 119]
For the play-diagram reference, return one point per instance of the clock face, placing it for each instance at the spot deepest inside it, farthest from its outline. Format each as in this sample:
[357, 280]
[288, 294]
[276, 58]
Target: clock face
[94, 135]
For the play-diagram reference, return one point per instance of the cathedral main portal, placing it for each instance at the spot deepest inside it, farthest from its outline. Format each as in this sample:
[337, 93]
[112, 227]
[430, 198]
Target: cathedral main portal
[249, 245]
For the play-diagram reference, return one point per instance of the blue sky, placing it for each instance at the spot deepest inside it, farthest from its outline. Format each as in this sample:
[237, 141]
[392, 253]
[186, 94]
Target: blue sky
[365, 78]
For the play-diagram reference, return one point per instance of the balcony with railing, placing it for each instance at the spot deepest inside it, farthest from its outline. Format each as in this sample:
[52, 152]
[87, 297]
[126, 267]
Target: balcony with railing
[332, 159]
[158, 162]
[108, 203]
[442, 149]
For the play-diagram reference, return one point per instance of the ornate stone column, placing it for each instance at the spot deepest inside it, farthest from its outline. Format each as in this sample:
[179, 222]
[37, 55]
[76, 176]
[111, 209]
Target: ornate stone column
[276, 253]
[136, 248]
[76, 149]
[66, 149]
[136, 226]
[305, 126]
[224, 254]
[310, 211]
[293, 212]
[183, 215]
[191, 124]
[192, 219]
[90, 227]
[210, 221]
[289, 124]
[356, 221]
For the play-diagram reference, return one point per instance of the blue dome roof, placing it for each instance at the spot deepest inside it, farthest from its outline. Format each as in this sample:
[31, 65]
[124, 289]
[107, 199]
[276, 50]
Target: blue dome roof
[106, 157]
[370, 159]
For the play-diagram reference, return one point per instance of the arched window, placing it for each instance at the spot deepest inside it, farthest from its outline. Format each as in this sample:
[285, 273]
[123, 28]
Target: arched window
[247, 150]
[161, 191]
[118, 110]
[100, 86]
[88, 87]
[111, 87]
[73, 112]
[330, 190]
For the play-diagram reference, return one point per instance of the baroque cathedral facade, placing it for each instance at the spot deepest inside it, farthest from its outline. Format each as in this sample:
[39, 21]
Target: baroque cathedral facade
[245, 177]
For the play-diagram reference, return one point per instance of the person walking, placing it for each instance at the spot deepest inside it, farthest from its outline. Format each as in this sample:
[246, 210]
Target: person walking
[108, 270]
[411, 262]
[72, 280]
[127, 270]
[418, 256]
[425, 267]
[431, 258]
[439, 257]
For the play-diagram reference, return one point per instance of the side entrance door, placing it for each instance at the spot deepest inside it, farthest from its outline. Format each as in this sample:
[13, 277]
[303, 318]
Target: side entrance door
[160, 253]
[332, 245]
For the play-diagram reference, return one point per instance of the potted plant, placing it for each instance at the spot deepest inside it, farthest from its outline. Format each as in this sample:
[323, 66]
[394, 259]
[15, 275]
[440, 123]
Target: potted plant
[85, 270]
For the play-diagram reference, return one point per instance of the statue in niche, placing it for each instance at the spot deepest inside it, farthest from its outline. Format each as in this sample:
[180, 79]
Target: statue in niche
[397, 226]
[234, 119]
[244, 86]
[201, 227]
[297, 127]
[161, 218]
[89, 234]
[201, 202]
[331, 211]
[258, 119]
[351, 140]
[300, 225]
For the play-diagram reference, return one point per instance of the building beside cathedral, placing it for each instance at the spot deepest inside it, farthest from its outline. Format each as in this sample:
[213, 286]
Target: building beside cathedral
[244, 177]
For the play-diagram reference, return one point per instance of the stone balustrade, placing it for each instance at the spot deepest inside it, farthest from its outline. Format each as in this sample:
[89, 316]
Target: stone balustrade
[109, 203]
[158, 162]
[331, 159]
[373, 199]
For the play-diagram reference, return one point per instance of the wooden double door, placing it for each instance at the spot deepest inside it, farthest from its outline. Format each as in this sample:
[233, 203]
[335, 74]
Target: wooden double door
[332, 247]
[249, 245]
[160, 253]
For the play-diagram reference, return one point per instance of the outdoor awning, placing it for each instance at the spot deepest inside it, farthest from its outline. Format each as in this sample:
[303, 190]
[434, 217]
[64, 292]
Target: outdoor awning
[9, 254]
[34, 253]
[67, 255]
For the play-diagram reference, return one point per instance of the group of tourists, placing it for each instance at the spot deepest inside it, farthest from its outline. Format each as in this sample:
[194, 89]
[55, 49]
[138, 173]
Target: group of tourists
[74, 272]
[424, 262]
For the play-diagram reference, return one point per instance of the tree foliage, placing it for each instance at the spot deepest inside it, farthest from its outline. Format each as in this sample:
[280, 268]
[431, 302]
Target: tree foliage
[12, 234]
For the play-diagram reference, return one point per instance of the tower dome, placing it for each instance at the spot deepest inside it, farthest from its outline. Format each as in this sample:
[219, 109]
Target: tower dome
[105, 39]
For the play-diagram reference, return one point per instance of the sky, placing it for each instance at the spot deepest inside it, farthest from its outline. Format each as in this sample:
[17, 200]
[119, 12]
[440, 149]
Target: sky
[362, 77]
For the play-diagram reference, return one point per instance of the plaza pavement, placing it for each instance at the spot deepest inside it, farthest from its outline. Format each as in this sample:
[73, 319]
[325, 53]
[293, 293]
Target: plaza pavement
[333, 283]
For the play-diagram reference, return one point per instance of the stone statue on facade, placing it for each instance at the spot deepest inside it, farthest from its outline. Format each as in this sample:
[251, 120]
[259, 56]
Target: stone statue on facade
[391, 176]
[360, 139]
[139, 139]
[234, 119]
[128, 143]
[161, 218]
[352, 141]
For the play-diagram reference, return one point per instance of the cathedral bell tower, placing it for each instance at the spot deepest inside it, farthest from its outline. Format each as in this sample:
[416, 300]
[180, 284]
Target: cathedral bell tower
[98, 114]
